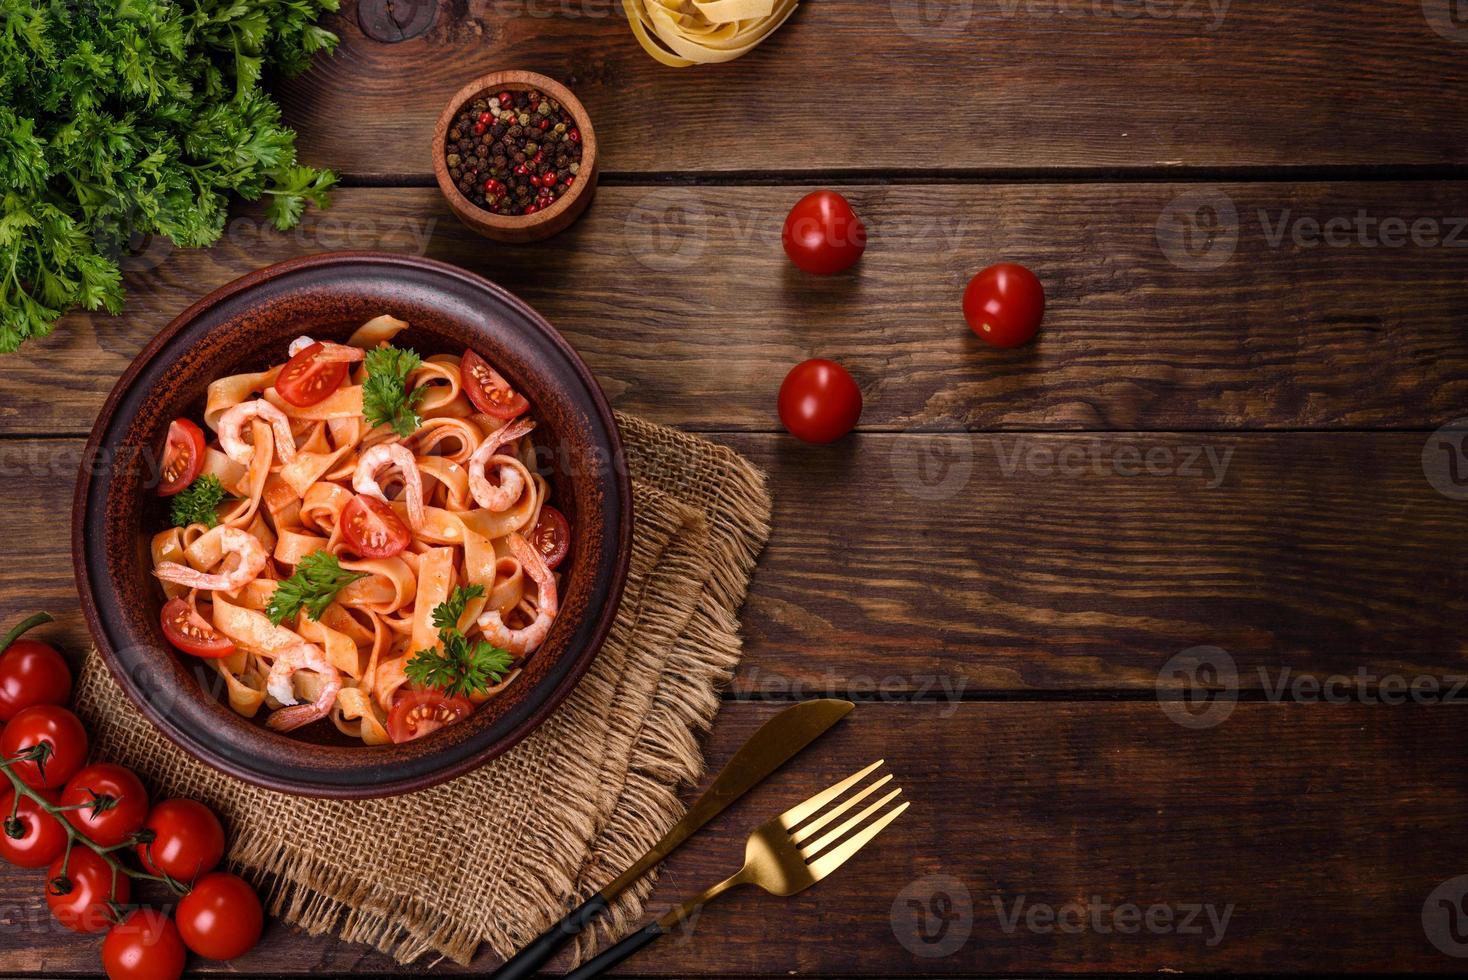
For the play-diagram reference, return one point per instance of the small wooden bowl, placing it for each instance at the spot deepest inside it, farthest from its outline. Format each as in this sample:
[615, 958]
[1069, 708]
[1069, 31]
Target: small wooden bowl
[518, 228]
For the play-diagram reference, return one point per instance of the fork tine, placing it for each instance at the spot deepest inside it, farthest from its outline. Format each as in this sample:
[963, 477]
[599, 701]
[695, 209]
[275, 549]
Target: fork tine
[809, 830]
[810, 851]
[827, 863]
[801, 811]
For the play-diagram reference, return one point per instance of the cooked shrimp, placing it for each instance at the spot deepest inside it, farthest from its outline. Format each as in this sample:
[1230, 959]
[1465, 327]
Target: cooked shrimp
[392, 454]
[232, 541]
[298, 345]
[524, 640]
[232, 431]
[497, 496]
[301, 656]
[344, 353]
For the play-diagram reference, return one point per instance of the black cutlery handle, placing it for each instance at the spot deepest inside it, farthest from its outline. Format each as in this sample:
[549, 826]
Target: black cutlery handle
[611, 957]
[538, 953]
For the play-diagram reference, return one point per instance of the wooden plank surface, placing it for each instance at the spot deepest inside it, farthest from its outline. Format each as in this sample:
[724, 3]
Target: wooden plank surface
[1321, 859]
[946, 565]
[1004, 85]
[685, 307]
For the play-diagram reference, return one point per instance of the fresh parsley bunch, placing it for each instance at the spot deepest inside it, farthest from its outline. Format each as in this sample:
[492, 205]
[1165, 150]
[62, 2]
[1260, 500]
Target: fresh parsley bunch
[463, 666]
[126, 118]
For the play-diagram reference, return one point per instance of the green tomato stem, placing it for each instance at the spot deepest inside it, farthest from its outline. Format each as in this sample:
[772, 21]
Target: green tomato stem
[29, 623]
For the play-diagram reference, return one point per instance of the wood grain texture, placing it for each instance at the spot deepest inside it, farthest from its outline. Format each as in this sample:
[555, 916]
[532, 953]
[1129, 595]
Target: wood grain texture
[1322, 859]
[927, 85]
[946, 565]
[685, 307]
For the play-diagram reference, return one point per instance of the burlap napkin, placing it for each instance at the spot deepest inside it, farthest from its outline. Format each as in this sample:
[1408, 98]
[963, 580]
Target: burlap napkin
[495, 855]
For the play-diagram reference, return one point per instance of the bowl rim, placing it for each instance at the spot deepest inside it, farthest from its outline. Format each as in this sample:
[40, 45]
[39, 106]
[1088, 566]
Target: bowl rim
[520, 79]
[577, 665]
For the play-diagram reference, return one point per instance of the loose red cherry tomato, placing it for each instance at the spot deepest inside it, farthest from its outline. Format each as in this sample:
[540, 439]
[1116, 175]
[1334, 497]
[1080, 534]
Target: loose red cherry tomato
[188, 840]
[34, 838]
[552, 536]
[488, 389]
[183, 456]
[416, 713]
[819, 402]
[823, 235]
[372, 528]
[79, 898]
[57, 728]
[191, 632]
[144, 946]
[221, 918]
[1004, 304]
[306, 380]
[112, 822]
[31, 673]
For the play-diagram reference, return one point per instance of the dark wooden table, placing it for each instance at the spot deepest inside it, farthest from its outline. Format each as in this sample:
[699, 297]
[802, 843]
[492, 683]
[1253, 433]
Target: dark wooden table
[1252, 225]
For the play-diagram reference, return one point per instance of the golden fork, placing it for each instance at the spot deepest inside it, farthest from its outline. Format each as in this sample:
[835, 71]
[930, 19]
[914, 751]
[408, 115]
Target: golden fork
[784, 856]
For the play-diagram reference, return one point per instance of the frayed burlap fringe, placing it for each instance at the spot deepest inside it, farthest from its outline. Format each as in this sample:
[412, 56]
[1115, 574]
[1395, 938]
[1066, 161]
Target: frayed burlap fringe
[563, 812]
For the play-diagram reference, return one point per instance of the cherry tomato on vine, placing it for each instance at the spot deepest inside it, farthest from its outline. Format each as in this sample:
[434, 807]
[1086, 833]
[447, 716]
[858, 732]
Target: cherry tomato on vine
[221, 917]
[183, 456]
[144, 946]
[416, 713]
[79, 899]
[306, 379]
[552, 536]
[54, 726]
[372, 528]
[1004, 304]
[188, 840]
[114, 822]
[40, 837]
[488, 389]
[190, 632]
[819, 401]
[32, 673]
[823, 235]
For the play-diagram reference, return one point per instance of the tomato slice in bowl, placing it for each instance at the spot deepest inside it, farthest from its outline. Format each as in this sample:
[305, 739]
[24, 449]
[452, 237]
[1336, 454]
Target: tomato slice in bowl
[191, 633]
[488, 389]
[372, 528]
[552, 536]
[309, 378]
[417, 713]
[183, 457]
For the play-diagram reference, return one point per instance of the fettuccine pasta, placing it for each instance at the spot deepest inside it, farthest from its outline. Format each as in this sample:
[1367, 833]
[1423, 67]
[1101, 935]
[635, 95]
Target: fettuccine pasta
[683, 33]
[379, 522]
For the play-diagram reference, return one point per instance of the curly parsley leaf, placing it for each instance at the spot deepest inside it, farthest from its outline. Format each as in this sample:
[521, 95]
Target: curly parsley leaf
[198, 503]
[313, 587]
[385, 394]
[463, 666]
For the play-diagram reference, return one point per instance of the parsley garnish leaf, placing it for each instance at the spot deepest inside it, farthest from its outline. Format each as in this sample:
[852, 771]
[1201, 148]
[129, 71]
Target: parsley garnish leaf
[463, 667]
[314, 586]
[198, 503]
[385, 394]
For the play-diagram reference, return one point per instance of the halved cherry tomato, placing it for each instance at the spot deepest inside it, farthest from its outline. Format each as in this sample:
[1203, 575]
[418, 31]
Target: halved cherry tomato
[416, 713]
[61, 730]
[39, 837]
[188, 840]
[372, 528]
[79, 898]
[183, 456]
[144, 946]
[191, 633]
[306, 380]
[114, 822]
[552, 536]
[488, 389]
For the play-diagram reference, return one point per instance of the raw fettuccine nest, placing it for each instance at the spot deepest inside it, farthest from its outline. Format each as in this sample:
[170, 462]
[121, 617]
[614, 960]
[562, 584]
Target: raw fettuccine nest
[682, 33]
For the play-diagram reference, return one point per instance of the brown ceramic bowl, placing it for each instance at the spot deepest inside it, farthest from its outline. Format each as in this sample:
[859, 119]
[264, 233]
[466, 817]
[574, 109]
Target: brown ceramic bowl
[247, 325]
[518, 228]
